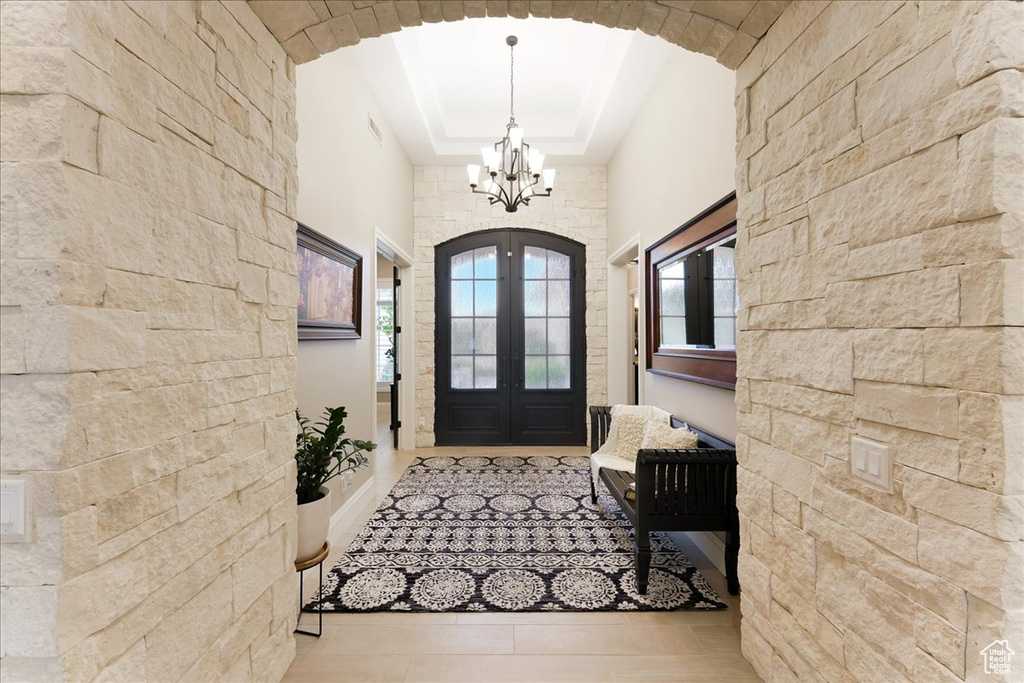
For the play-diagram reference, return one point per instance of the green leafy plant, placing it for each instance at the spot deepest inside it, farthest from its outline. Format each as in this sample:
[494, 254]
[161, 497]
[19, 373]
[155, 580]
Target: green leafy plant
[322, 452]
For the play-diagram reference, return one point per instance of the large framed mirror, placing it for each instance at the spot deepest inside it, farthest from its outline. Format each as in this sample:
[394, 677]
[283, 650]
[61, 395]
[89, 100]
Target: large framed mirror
[692, 299]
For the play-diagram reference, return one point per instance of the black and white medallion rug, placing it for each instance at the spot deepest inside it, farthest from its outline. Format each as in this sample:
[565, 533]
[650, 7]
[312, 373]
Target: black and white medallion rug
[504, 534]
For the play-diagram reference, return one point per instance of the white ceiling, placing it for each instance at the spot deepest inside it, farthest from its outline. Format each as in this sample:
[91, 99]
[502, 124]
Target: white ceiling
[445, 87]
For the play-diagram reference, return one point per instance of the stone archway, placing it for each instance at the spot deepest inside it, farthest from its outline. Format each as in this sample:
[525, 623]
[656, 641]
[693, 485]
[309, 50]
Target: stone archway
[148, 213]
[865, 130]
[724, 29]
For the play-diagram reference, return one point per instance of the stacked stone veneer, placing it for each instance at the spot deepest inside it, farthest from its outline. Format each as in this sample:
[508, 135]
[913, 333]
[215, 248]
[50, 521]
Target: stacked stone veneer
[724, 29]
[880, 186]
[148, 331]
[148, 310]
[445, 208]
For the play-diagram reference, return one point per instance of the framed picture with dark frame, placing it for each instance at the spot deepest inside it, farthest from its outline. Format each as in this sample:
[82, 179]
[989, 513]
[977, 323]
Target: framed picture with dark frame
[692, 300]
[330, 287]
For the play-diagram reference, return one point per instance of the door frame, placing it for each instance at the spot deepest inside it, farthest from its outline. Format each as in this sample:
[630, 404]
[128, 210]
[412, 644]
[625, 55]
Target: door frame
[512, 308]
[389, 248]
[619, 367]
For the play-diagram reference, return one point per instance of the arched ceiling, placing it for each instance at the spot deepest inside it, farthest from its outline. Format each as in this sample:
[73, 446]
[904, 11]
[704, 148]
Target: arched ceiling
[724, 29]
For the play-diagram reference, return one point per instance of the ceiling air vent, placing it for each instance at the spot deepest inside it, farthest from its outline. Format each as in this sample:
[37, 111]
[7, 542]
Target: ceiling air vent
[374, 130]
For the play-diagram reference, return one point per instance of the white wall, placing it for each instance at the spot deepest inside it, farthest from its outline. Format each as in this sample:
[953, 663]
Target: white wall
[349, 185]
[677, 158]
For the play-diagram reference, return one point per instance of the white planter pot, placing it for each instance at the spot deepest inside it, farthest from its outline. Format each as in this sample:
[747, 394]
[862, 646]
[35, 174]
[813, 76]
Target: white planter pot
[314, 523]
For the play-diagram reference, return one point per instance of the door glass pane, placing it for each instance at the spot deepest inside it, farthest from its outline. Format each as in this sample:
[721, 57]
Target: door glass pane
[726, 302]
[558, 372]
[725, 333]
[473, 324]
[536, 372]
[673, 331]
[536, 336]
[462, 298]
[486, 372]
[535, 294]
[485, 262]
[534, 263]
[725, 295]
[546, 305]
[673, 297]
[462, 335]
[462, 266]
[462, 372]
[558, 265]
[558, 336]
[486, 298]
[558, 297]
[486, 339]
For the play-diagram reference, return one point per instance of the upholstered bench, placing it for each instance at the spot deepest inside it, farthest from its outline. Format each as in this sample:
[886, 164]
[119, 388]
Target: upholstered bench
[691, 489]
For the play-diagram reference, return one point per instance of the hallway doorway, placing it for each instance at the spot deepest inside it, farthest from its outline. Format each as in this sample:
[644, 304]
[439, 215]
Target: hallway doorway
[511, 347]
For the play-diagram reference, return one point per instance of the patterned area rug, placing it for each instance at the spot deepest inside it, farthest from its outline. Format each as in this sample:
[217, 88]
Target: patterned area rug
[504, 534]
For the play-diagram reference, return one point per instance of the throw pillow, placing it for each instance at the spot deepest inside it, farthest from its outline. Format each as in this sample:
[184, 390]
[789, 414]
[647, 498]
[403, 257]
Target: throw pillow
[611, 443]
[630, 435]
[661, 435]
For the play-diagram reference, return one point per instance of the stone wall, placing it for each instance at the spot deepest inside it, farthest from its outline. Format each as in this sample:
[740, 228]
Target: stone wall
[880, 185]
[444, 207]
[148, 307]
[724, 29]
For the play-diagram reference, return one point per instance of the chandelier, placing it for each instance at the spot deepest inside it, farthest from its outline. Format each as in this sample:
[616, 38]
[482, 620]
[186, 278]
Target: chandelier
[512, 170]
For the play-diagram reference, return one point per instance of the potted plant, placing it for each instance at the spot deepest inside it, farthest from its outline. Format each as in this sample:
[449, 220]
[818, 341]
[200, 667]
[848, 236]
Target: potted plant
[322, 452]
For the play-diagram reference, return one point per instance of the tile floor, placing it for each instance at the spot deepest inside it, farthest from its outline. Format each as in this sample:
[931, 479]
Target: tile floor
[589, 647]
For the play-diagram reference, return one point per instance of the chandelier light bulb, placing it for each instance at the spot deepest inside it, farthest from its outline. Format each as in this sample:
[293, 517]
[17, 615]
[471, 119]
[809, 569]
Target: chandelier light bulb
[515, 136]
[473, 171]
[549, 178]
[536, 162]
[492, 158]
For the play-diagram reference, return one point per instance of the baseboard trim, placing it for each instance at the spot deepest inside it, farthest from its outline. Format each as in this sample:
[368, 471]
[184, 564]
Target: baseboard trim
[712, 546]
[355, 502]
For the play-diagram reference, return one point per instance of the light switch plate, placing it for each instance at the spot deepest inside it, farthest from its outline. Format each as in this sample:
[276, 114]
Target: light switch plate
[870, 461]
[15, 519]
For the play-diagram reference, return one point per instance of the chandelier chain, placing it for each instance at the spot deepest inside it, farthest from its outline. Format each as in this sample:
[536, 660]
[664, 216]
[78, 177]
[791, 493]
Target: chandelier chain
[512, 83]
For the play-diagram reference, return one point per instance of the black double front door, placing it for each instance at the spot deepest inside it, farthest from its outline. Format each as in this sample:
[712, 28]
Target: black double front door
[510, 340]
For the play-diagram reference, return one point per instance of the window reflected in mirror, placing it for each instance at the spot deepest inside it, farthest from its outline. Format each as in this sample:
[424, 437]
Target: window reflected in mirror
[693, 299]
[698, 298]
